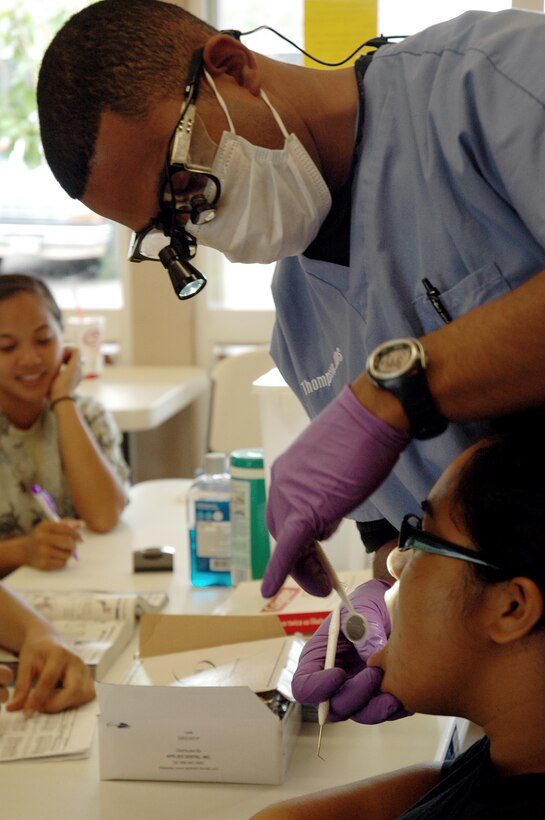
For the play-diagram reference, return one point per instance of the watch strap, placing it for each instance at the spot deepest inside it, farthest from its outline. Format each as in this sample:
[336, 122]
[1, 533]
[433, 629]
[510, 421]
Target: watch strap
[417, 401]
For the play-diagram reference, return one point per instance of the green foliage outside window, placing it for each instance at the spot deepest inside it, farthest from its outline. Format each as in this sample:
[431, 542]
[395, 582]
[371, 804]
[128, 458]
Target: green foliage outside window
[26, 28]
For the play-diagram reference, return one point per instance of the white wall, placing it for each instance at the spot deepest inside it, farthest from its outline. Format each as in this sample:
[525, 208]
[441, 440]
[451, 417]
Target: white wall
[156, 328]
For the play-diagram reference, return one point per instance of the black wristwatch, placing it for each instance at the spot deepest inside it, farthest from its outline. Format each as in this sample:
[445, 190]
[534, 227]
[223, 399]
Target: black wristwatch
[399, 366]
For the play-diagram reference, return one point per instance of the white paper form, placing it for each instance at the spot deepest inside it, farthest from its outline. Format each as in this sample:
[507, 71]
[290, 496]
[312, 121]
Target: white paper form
[260, 665]
[67, 734]
[94, 606]
[90, 639]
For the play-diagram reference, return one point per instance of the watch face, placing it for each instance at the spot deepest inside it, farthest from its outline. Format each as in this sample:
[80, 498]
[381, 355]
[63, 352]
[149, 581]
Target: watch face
[393, 359]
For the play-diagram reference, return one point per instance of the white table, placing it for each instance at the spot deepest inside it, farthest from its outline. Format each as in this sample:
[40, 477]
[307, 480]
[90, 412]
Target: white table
[43, 790]
[141, 397]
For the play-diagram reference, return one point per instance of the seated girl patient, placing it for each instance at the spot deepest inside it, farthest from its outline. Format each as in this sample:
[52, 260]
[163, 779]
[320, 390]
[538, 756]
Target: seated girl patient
[467, 639]
[50, 436]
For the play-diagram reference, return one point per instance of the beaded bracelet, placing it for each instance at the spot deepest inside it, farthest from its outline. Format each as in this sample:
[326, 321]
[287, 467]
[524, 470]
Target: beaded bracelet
[61, 398]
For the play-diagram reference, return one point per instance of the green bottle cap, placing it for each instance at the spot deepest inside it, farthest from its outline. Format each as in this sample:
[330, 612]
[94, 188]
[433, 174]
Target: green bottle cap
[249, 458]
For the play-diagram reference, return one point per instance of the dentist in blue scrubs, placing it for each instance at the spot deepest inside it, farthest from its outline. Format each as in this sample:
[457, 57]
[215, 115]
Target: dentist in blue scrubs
[404, 197]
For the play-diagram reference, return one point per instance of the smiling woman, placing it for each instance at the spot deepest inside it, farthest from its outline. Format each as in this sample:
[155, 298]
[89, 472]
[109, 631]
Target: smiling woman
[47, 434]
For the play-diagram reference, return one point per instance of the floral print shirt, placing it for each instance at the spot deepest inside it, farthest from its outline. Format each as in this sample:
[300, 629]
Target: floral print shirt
[32, 456]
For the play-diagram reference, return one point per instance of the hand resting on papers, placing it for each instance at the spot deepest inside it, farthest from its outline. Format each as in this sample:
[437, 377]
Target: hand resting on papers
[50, 677]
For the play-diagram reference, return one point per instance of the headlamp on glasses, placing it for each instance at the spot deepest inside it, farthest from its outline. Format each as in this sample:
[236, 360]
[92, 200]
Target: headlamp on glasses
[150, 243]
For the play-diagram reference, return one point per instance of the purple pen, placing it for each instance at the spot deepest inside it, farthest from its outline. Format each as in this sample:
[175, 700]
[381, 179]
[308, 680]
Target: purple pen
[45, 502]
[47, 506]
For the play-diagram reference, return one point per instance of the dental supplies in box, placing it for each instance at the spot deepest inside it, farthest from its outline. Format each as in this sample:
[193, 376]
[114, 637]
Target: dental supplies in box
[209, 700]
[297, 610]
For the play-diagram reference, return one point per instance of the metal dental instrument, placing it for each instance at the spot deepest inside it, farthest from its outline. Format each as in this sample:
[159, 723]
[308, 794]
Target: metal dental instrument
[332, 638]
[355, 629]
[356, 626]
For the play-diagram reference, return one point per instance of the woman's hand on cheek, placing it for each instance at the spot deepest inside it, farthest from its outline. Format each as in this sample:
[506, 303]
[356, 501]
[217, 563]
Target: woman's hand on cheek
[69, 374]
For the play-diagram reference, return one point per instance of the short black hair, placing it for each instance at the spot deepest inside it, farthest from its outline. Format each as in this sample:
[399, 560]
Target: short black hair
[499, 499]
[13, 283]
[122, 56]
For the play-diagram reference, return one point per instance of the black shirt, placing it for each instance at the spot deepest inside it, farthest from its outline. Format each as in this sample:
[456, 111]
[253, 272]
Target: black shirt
[471, 789]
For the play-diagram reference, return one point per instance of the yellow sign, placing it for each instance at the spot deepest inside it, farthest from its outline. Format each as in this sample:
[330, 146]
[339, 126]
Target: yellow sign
[334, 28]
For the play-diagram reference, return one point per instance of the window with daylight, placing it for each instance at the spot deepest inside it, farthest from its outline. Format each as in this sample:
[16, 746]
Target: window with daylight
[42, 230]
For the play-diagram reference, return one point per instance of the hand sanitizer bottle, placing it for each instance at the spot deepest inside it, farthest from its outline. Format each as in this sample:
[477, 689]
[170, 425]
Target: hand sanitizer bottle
[209, 522]
[250, 544]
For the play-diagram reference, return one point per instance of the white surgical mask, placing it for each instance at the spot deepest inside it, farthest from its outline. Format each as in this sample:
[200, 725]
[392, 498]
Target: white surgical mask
[272, 203]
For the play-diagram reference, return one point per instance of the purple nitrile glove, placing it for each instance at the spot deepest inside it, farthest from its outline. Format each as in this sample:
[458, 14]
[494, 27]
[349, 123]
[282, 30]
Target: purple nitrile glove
[334, 465]
[351, 687]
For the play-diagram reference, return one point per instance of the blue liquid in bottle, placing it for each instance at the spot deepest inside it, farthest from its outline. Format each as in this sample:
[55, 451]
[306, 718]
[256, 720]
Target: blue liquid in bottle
[209, 524]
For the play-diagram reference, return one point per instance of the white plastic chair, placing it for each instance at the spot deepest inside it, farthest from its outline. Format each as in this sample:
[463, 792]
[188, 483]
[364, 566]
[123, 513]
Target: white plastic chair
[234, 411]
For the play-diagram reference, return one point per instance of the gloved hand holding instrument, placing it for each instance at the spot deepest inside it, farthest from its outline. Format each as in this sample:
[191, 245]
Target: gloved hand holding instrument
[344, 681]
[336, 462]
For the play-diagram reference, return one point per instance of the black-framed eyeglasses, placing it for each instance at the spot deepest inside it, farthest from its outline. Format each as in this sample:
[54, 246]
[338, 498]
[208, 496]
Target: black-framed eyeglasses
[165, 239]
[412, 536]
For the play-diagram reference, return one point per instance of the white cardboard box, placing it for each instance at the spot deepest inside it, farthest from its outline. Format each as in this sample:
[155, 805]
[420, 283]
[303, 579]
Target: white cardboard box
[297, 610]
[215, 734]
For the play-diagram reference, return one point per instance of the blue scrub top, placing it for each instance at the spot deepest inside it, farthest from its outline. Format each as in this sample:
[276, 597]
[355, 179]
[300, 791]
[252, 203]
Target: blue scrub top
[449, 186]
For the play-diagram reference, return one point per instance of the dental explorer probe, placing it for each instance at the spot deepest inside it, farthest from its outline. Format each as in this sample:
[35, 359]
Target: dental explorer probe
[332, 638]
